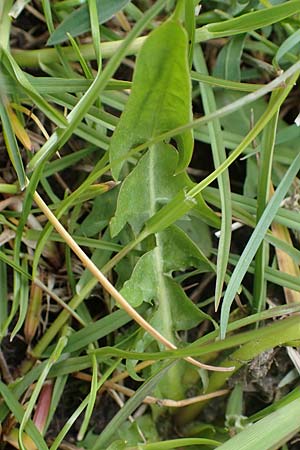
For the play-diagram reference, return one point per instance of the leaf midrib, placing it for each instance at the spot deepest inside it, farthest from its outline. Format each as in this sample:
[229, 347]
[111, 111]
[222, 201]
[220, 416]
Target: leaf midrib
[158, 255]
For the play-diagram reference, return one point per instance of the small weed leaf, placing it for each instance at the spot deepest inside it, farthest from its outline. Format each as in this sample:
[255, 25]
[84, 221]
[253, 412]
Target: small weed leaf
[178, 253]
[172, 309]
[150, 185]
[160, 98]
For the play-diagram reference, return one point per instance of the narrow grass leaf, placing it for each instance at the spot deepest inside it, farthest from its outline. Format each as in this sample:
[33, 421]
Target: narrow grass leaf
[226, 84]
[71, 420]
[277, 404]
[278, 240]
[281, 240]
[24, 299]
[94, 11]
[287, 281]
[37, 99]
[92, 399]
[12, 145]
[263, 191]
[7, 260]
[6, 188]
[19, 129]
[65, 67]
[78, 112]
[27, 204]
[219, 156]
[18, 412]
[248, 22]
[287, 45]
[17, 8]
[34, 396]
[56, 85]
[3, 293]
[34, 235]
[253, 344]
[248, 205]
[285, 262]
[78, 21]
[254, 242]
[229, 59]
[270, 432]
[146, 388]
[190, 25]
[95, 331]
[57, 393]
[284, 279]
[176, 443]
[185, 201]
[85, 68]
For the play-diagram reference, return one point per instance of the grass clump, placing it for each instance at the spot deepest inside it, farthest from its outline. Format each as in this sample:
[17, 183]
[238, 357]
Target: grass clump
[149, 266]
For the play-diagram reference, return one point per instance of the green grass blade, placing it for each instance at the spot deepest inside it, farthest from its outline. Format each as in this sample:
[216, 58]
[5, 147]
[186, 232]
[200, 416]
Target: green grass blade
[219, 156]
[229, 59]
[270, 432]
[24, 298]
[5, 23]
[184, 202]
[81, 407]
[248, 22]
[226, 84]
[22, 384]
[64, 315]
[264, 183]
[27, 204]
[287, 45]
[75, 116]
[92, 400]
[293, 395]
[254, 242]
[18, 412]
[58, 390]
[190, 25]
[177, 443]
[243, 204]
[37, 99]
[56, 85]
[273, 275]
[78, 22]
[94, 11]
[95, 331]
[3, 293]
[6, 259]
[34, 396]
[66, 67]
[12, 145]
[86, 69]
[128, 408]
